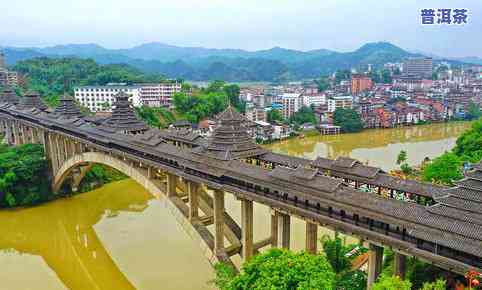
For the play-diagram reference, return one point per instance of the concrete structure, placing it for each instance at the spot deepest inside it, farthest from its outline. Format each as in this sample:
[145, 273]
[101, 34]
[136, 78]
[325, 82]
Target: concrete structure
[7, 77]
[158, 94]
[102, 98]
[360, 83]
[421, 67]
[340, 102]
[436, 224]
[316, 100]
[291, 104]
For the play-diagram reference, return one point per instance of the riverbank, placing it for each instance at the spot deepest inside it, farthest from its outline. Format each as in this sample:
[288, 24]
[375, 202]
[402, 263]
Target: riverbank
[377, 147]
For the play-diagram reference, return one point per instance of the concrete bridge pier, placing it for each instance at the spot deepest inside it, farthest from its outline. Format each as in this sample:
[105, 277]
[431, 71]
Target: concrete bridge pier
[375, 262]
[284, 230]
[218, 221]
[247, 229]
[193, 193]
[171, 185]
[311, 237]
[399, 262]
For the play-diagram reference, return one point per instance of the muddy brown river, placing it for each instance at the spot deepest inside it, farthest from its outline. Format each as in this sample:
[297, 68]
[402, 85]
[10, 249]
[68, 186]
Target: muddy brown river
[120, 237]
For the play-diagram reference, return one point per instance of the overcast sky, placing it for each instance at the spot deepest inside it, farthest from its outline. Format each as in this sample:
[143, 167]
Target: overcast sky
[342, 25]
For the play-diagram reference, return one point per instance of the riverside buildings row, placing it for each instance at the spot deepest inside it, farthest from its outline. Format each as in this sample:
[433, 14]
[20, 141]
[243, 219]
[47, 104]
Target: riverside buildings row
[412, 96]
[101, 98]
[7, 77]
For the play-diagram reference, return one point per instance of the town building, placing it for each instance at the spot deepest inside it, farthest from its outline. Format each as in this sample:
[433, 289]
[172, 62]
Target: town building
[340, 102]
[291, 104]
[360, 83]
[158, 94]
[421, 67]
[316, 99]
[102, 98]
[255, 114]
[7, 77]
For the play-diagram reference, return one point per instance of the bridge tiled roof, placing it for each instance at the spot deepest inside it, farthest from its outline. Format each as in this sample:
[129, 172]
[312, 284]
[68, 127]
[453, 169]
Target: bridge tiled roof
[453, 222]
[9, 96]
[67, 108]
[464, 201]
[349, 168]
[31, 100]
[230, 139]
[124, 118]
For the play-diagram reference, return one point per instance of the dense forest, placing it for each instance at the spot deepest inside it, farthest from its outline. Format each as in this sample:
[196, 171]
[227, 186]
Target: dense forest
[52, 77]
[448, 167]
[23, 176]
[234, 65]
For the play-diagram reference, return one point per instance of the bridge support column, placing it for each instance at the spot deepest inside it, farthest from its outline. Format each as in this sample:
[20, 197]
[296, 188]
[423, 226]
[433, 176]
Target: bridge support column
[218, 220]
[247, 228]
[274, 228]
[284, 225]
[193, 192]
[375, 260]
[171, 184]
[311, 237]
[399, 261]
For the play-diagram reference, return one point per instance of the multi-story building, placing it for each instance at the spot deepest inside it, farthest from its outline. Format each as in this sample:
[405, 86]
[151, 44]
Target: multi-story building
[360, 83]
[340, 102]
[316, 100]
[421, 67]
[254, 113]
[101, 98]
[7, 77]
[158, 94]
[291, 104]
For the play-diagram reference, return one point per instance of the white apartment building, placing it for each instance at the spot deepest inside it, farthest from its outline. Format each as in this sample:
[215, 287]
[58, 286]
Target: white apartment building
[158, 94]
[314, 99]
[291, 102]
[102, 98]
[343, 102]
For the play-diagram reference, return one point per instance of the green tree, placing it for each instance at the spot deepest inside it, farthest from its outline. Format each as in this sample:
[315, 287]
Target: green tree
[279, 269]
[386, 76]
[23, 175]
[437, 285]
[469, 144]
[342, 75]
[348, 119]
[304, 115]
[473, 111]
[443, 169]
[323, 83]
[274, 115]
[402, 157]
[391, 283]
[52, 77]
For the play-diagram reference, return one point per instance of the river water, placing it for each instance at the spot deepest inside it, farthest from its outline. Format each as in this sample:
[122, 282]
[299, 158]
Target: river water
[121, 237]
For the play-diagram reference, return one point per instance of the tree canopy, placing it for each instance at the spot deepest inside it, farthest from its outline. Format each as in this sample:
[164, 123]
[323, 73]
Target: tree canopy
[391, 283]
[304, 115]
[52, 77]
[274, 115]
[348, 119]
[279, 269]
[23, 175]
[208, 102]
[447, 167]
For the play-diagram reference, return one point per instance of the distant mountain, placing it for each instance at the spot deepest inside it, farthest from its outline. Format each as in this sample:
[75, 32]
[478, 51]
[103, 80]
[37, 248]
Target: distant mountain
[199, 63]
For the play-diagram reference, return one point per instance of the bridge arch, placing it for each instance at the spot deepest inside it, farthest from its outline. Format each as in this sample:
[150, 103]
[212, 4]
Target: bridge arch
[101, 158]
[153, 186]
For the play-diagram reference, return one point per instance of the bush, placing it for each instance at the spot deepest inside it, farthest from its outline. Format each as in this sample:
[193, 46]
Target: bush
[279, 269]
